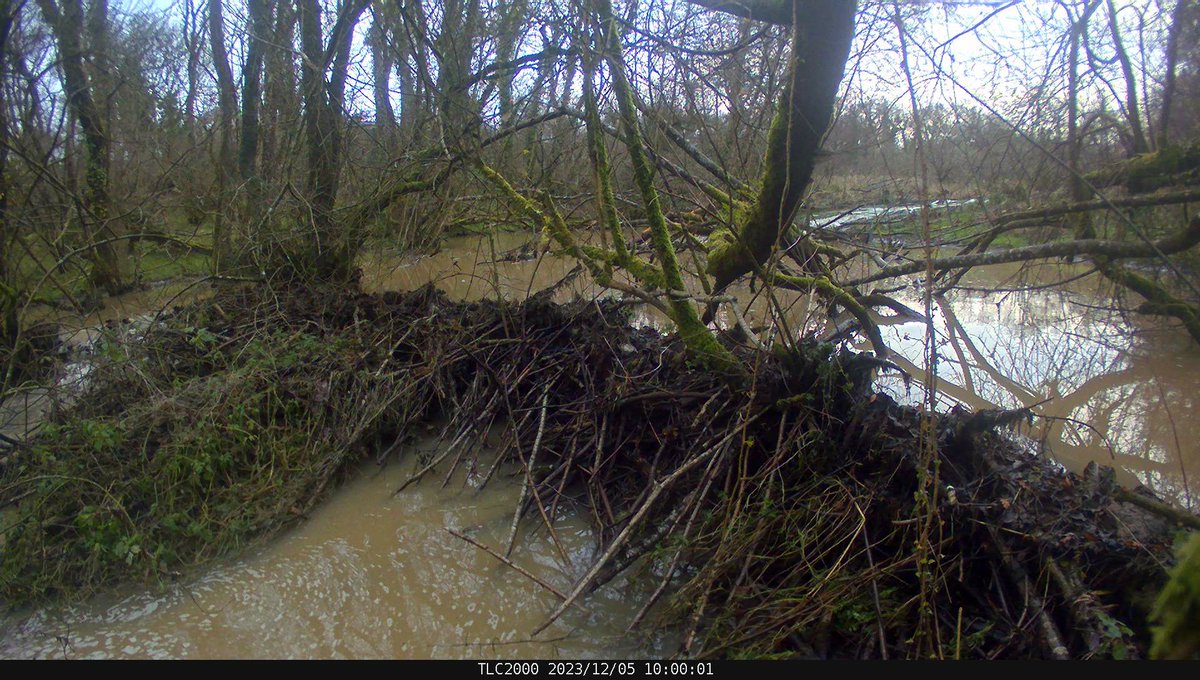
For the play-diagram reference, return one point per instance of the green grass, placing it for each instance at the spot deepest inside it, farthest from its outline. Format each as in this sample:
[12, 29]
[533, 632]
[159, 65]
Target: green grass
[1013, 239]
[159, 265]
[149, 263]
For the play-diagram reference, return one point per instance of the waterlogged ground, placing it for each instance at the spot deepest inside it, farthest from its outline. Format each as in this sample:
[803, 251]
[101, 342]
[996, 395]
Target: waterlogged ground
[369, 575]
[372, 575]
[1115, 390]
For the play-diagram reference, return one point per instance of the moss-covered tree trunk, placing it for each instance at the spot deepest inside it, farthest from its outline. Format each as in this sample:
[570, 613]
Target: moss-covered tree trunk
[821, 33]
[110, 263]
[700, 341]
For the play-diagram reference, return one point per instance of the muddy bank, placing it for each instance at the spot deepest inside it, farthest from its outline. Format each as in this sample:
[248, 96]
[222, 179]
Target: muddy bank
[798, 514]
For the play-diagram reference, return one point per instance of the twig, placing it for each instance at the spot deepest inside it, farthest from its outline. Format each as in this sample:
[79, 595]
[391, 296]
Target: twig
[875, 593]
[421, 473]
[687, 529]
[520, 570]
[600, 443]
[537, 442]
[638, 516]
[516, 434]
[1050, 635]
[1080, 604]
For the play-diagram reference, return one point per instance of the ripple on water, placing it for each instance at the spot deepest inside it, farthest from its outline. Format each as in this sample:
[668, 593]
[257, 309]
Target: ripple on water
[367, 576]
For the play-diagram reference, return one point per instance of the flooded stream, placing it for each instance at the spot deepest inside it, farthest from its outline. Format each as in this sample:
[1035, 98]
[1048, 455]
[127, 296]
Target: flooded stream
[372, 575]
[1115, 390]
[369, 575]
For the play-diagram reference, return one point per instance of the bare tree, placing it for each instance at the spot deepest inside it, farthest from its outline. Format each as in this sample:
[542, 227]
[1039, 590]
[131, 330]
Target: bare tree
[110, 266]
[227, 107]
[323, 84]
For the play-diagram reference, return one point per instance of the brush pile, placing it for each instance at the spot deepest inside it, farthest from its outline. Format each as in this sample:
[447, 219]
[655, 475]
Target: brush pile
[798, 514]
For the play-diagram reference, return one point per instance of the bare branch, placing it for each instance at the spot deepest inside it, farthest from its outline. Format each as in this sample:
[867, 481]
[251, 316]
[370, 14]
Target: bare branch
[1174, 243]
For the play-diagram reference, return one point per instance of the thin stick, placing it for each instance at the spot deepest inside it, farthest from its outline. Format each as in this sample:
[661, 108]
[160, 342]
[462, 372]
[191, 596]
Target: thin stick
[619, 541]
[519, 569]
[600, 443]
[421, 473]
[1078, 603]
[537, 442]
[875, 594]
[957, 637]
[687, 529]
[1051, 637]
[537, 500]
[516, 436]
[457, 459]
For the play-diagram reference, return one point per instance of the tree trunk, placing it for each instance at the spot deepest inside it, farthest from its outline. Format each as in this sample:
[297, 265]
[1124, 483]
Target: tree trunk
[260, 35]
[1079, 190]
[7, 17]
[227, 105]
[1172, 57]
[1137, 134]
[192, 42]
[333, 254]
[508, 34]
[10, 321]
[383, 59]
[458, 112]
[282, 102]
[822, 31]
[408, 80]
[109, 260]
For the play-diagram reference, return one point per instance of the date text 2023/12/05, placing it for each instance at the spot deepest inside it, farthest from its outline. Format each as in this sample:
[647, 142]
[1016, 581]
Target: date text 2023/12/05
[597, 668]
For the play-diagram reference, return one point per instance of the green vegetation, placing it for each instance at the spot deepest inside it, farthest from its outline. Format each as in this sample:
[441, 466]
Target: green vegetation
[802, 508]
[1177, 611]
[1172, 164]
[188, 448]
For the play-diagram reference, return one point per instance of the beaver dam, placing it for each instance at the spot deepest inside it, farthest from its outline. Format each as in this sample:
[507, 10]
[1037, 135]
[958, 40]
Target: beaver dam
[797, 514]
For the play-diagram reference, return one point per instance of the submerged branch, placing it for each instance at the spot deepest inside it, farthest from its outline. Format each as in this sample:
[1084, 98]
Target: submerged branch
[1175, 243]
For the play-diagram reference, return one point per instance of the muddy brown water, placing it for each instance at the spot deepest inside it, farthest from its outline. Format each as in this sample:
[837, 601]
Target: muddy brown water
[372, 575]
[1119, 391]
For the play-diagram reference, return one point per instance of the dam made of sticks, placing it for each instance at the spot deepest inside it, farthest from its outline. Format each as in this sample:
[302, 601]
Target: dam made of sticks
[792, 514]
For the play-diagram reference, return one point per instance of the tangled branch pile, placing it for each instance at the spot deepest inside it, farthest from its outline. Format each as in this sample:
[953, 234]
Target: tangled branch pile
[784, 513]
